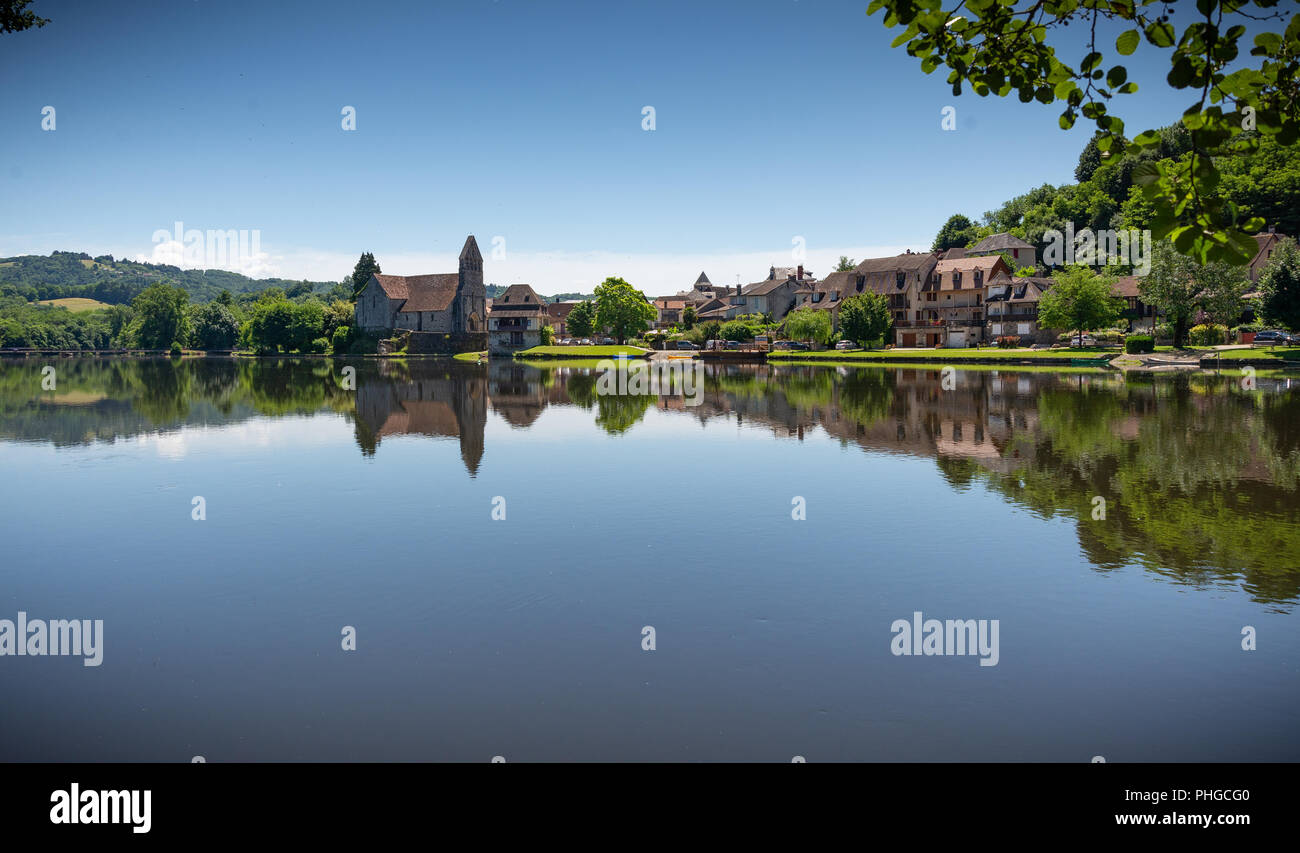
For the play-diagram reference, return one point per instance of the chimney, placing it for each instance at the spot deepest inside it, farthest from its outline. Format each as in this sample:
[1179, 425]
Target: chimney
[800, 276]
[1272, 229]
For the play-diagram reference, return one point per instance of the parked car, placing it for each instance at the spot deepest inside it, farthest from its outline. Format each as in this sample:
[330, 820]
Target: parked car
[843, 345]
[1083, 341]
[802, 345]
[608, 341]
[686, 345]
[733, 344]
[1273, 337]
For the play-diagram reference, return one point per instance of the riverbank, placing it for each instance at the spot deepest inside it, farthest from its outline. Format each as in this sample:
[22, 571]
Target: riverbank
[556, 352]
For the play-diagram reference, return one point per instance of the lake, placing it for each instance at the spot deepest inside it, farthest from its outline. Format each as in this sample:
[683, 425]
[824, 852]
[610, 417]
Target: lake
[494, 541]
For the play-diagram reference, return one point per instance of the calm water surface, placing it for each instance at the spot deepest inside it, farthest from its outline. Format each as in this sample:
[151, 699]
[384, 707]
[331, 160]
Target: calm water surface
[372, 508]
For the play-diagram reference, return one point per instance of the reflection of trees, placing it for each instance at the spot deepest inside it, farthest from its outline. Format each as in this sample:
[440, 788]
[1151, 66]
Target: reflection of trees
[618, 413]
[1187, 469]
[866, 396]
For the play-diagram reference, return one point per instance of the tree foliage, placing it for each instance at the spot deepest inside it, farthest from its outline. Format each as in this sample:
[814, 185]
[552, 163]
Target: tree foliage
[1180, 289]
[865, 319]
[161, 319]
[622, 309]
[956, 232]
[581, 322]
[1280, 286]
[1001, 47]
[361, 273]
[809, 324]
[1079, 300]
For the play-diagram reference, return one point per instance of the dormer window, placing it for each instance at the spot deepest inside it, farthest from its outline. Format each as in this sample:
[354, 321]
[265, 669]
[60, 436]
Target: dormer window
[956, 280]
[900, 279]
[979, 278]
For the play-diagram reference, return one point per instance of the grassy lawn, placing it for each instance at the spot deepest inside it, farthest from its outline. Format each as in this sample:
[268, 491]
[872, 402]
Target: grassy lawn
[470, 356]
[77, 304]
[922, 365]
[1278, 353]
[992, 354]
[580, 352]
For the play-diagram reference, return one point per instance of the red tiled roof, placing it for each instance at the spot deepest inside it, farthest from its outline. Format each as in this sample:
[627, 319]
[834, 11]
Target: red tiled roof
[421, 292]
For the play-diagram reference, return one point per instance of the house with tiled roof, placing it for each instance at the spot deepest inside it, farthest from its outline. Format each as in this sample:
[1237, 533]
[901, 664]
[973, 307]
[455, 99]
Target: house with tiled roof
[557, 317]
[1267, 242]
[516, 320]
[450, 303]
[1011, 305]
[953, 297]
[1025, 254]
[899, 279]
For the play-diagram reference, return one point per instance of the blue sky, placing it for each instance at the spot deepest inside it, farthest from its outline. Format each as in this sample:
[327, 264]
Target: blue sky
[513, 120]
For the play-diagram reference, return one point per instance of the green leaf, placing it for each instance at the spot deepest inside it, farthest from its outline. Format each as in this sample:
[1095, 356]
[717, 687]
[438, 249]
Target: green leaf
[1159, 34]
[1126, 43]
[1116, 76]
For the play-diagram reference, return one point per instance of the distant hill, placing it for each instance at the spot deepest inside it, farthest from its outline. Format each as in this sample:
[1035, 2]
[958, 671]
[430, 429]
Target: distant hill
[69, 275]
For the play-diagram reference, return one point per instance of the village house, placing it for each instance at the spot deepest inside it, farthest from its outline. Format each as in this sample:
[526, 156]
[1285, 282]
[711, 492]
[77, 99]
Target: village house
[953, 298]
[899, 279]
[516, 320]
[557, 317]
[1140, 316]
[774, 295]
[1011, 305]
[1023, 253]
[454, 304]
[668, 310]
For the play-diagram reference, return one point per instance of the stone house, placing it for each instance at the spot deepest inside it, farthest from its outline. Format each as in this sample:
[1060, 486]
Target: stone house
[899, 279]
[953, 297]
[1024, 254]
[1011, 305]
[450, 303]
[516, 320]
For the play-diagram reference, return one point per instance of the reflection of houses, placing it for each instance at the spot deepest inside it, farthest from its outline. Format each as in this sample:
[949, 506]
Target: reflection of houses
[519, 392]
[438, 404]
[450, 303]
[516, 320]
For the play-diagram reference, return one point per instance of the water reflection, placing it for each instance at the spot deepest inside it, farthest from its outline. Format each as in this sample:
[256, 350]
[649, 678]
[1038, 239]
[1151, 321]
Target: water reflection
[1199, 476]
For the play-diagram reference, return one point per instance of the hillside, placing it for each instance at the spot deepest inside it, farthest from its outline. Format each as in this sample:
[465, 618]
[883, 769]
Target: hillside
[68, 275]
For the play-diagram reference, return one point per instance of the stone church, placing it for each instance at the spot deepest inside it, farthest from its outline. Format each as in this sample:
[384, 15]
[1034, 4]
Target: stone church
[451, 303]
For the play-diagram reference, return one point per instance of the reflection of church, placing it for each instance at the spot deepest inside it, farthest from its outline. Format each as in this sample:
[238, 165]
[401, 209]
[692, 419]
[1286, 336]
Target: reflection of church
[429, 400]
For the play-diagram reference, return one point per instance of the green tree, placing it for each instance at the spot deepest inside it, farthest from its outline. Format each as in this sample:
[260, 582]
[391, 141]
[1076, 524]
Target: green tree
[622, 309]
[581, 322]
[307, 324]
[548, 336]
[1280, 286]
[688, 317]
[865, 319]
[956, 232]
[161, 317]
[809, 324]
[845, 264]
[338, 313]
[270, 324]
[736, 331]
[365, 268]
[215, 327]
[14, 17]
[1000, 47]
[1079, 300]
[1180, 288]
